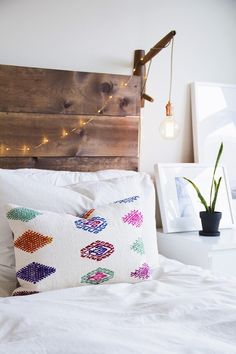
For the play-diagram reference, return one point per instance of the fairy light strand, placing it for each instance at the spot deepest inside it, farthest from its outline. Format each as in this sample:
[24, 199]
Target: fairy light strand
[66, 133]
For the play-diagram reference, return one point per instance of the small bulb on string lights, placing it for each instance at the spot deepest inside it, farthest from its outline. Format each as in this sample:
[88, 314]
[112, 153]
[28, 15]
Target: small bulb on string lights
[45, 140]
[64, 133]
[25, 148]
[169, 128]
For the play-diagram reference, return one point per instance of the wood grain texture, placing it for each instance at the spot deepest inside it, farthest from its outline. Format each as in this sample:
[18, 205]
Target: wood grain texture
[37, 90]
[91, 136]
[83, 164]
[40, 105]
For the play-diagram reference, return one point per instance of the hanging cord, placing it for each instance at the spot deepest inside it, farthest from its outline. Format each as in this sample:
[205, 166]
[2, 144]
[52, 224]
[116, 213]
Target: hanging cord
[171, 68]
[150, 62]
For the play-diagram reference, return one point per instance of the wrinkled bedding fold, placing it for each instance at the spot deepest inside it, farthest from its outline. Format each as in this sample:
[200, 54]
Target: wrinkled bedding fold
[183, 310]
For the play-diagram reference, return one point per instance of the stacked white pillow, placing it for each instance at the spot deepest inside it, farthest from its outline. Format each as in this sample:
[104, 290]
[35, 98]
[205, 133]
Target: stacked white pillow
[22, 188]
[65, 178]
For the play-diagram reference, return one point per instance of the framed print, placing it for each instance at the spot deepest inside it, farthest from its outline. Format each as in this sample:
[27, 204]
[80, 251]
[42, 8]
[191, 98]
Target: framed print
[214, 121]
[179, 203]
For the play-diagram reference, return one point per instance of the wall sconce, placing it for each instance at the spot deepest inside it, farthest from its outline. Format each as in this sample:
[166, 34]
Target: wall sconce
[169, 128]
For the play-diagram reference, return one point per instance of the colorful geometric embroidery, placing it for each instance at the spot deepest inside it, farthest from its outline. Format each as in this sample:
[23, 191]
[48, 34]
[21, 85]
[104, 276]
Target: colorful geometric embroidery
[138, 246]
[134, 217]
[142, 273]
[30, 241]
[96, 224]
[87, 214]
[98, 276]
[35, 272]
[24, 292]
[22, 214]
[128, 200]
[97, 250]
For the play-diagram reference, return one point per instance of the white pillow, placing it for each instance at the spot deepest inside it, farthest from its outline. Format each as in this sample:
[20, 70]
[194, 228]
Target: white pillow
[55, 251]
[64, 178]
[108, 191]
[24, 191]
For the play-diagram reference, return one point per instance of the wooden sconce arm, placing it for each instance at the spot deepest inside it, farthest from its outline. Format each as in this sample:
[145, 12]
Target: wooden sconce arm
[140, 59]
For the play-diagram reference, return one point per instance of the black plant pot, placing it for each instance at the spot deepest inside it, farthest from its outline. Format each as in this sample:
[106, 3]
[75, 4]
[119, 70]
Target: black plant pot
[210, 223]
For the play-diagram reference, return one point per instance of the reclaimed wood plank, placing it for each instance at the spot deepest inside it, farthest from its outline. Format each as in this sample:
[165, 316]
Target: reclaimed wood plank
[24, 89]
[83, 164]
[26, 134]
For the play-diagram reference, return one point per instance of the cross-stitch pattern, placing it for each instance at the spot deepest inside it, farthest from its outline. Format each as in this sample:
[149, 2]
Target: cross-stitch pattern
[97, 250]
[142, 272]
[30, 241]
[95, 225]
[134, 217]
[24, 292]
[22, 214]
[128, 200]
[98, 276]
[138, 246]
[35, 272]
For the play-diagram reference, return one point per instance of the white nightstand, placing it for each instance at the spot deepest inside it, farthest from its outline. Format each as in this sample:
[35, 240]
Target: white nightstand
[215, 253]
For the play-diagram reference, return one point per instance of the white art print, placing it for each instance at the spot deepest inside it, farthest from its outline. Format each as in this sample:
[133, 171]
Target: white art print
[179, 203]
[214, 121]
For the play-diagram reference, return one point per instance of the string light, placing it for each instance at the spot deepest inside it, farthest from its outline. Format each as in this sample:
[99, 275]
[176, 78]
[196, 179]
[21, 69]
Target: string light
[66, 133]
[45, 140]
[25, 148]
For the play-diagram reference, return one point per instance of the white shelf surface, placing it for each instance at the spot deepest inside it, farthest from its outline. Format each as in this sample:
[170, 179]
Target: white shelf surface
[226, 240]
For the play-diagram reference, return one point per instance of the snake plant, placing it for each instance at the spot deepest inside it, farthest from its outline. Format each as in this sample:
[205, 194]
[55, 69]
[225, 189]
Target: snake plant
[215, 185]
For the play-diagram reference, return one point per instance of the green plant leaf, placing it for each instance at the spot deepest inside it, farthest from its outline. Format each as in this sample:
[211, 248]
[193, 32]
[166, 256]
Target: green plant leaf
[200, 196]
[214, 171]
[215, 196]
[215, 184]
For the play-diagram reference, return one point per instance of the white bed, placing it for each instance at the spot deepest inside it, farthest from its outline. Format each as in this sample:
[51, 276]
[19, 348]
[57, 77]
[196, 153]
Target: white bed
[182, 310]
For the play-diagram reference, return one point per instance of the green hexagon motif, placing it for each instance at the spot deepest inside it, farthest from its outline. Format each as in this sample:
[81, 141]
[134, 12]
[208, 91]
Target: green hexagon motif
[22, 214]
[97, 276]
[138, 246]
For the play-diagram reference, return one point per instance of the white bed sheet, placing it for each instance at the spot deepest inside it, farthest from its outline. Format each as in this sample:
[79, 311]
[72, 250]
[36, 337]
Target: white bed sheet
[183, 310]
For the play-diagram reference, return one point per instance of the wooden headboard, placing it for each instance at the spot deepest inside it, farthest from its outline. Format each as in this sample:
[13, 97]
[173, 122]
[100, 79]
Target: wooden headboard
[67, 120]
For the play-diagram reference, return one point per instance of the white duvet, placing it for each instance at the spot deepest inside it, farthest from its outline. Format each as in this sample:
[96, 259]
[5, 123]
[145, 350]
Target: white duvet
[184, 310]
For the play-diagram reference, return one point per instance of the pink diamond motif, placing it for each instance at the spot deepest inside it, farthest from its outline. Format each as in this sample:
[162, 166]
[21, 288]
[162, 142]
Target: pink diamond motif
[134, 217]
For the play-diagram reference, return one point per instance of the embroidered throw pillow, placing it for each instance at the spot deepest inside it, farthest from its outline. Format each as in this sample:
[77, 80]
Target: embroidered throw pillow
[107, 191]
[56, 251]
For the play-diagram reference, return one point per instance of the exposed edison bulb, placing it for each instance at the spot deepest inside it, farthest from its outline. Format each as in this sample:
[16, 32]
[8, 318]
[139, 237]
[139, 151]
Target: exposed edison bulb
[169, 128]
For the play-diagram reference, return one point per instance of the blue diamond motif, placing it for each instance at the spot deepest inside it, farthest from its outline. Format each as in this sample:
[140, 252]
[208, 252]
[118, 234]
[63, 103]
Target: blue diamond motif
[35, 272]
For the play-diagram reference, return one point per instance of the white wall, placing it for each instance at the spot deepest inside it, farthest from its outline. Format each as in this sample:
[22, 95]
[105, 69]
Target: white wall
[101, 35]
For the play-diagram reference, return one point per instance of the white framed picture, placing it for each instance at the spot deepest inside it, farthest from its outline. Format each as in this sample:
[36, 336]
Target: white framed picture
[179, 203]
[214, 121]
